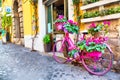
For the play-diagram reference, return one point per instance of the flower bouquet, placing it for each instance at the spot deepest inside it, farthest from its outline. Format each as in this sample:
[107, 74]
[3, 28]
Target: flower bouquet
[71, 27]
[62, 23]
[59, 22]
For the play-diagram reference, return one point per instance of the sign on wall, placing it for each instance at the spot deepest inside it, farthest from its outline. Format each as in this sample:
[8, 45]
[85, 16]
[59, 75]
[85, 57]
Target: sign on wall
[8, 9]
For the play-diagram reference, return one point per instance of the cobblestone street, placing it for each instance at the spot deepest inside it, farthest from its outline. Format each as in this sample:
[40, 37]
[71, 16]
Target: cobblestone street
[19, 63]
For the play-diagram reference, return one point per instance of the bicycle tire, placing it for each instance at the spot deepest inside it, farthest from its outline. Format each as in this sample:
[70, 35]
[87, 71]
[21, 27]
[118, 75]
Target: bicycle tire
[60, 57]
[98, 71]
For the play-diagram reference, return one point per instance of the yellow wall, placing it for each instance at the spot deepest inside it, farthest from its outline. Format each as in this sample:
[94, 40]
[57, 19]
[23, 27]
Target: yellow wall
[28, 12]
[27, 18]
[6, 3]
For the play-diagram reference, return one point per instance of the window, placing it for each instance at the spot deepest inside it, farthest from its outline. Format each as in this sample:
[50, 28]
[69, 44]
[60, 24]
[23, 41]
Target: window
[55, 8]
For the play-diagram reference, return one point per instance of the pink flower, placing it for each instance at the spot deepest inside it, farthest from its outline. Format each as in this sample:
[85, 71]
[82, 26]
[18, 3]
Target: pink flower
[105, 38]
[60, 16]
[106, 23]
[92, 25]
[70, 21]
[75, 23]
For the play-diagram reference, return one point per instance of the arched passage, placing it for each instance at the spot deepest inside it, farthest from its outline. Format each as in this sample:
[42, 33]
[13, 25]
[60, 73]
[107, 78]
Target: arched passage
[18, 30]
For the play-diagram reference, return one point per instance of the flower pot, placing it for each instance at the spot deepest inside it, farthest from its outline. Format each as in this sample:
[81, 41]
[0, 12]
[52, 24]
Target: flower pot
[48, 47]
[98, 34]
[95, 54]
[59, 26]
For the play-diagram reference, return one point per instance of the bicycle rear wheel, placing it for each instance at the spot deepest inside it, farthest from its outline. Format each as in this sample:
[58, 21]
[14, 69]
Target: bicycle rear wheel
[100, 66]
[60, 52]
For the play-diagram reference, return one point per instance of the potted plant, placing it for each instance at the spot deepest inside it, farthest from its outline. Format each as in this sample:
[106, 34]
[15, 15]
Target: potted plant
[6, 23]
[3, 35]
[59, 22]
[96, 29]
[47, 43]
[94, 45]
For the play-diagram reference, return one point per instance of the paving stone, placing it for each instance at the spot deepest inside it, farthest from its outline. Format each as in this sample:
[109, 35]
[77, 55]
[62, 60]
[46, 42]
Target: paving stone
[19, 63]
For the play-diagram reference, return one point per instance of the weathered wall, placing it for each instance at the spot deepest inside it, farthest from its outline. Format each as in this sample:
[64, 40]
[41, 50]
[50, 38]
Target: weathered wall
[114, 35]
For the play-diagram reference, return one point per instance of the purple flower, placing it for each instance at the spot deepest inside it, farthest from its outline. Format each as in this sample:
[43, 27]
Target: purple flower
[60, 16]
[106, 23]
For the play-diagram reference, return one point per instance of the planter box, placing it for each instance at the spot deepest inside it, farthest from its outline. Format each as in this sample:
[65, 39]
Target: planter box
[96, 4]
[101, 18]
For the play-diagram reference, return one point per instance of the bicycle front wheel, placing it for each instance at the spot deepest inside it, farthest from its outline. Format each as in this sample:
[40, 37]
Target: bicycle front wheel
[60, 52]
[98, 66]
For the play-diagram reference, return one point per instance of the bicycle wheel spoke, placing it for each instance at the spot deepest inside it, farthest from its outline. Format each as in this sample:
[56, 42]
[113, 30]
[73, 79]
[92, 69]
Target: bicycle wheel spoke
[60, 52]
[98, 65]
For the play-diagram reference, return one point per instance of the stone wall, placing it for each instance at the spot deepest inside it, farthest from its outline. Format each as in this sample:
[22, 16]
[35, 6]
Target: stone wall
[18, 38]
[114, 35]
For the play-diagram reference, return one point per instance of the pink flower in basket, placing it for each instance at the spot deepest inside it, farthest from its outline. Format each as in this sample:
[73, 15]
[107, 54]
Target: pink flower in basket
[59, 22]
[61, 17]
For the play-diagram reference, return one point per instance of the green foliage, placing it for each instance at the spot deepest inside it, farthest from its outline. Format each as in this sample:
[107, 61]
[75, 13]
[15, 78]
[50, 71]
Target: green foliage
[6, 21]
[71, 28]
[89, 1]
[71, 53]
[0, 3]
[101, 13]
[46, 39]
[92, 46]
[60, 19]
[96, 29]
[91, 14]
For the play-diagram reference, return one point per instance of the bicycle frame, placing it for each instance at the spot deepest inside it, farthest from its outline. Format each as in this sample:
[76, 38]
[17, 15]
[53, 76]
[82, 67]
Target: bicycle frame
[71, 46]
[69, 41]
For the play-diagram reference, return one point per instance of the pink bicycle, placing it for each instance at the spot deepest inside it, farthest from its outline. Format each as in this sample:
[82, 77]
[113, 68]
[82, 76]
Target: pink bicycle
[94, 63]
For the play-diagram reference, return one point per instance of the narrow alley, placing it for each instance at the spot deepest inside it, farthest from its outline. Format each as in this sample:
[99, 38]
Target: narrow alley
[19, 63]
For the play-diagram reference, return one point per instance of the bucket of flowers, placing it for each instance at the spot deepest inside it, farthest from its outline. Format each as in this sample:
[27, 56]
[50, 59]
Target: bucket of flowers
[94, 46]
[59, 22]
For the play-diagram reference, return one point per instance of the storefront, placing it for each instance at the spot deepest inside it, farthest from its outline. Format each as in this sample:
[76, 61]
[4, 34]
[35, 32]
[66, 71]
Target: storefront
[53, 9]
